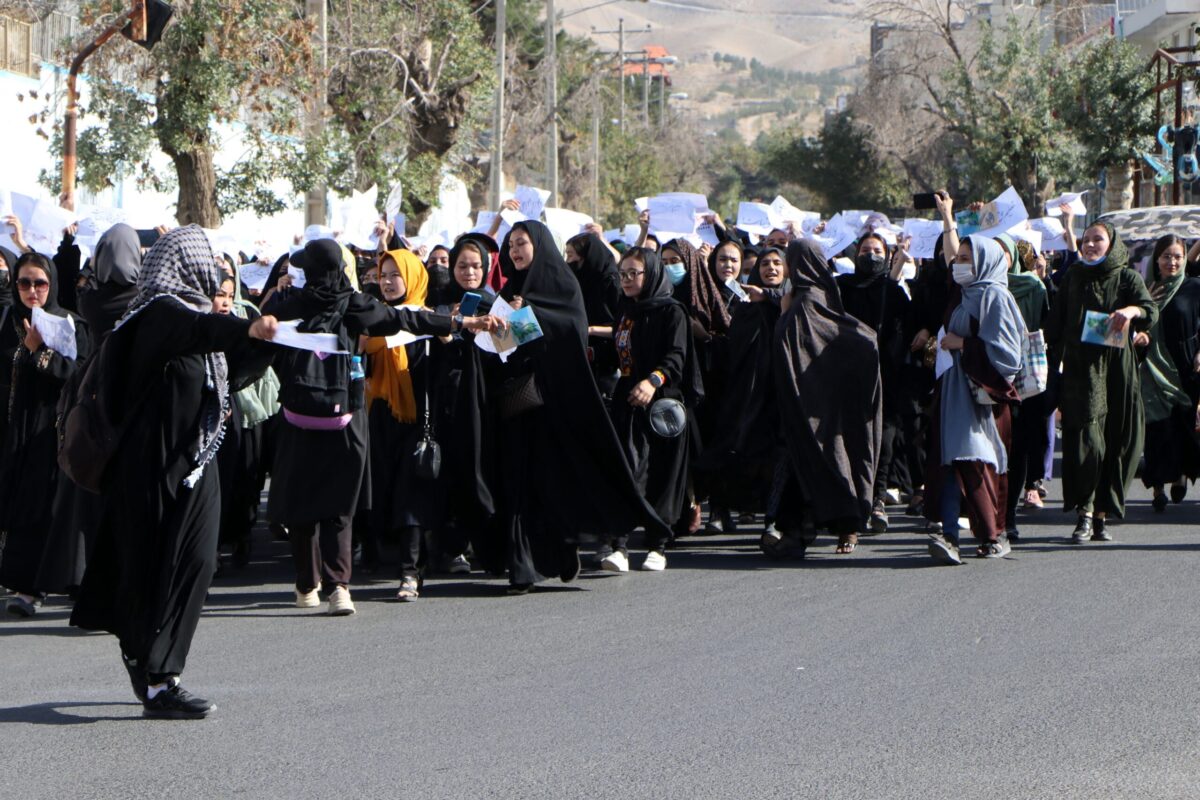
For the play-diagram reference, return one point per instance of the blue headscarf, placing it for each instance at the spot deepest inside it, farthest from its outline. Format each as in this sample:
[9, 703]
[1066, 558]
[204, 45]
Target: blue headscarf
[969, 431]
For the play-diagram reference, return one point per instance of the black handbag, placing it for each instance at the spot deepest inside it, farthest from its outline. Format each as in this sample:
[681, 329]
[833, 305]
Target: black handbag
[518, 395]
[427, 456]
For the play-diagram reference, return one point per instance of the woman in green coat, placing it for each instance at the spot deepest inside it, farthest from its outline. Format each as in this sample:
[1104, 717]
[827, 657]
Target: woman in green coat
[1099, 394]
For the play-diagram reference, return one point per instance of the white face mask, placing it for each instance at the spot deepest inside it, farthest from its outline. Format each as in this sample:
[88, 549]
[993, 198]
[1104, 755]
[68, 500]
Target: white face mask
[963, 274]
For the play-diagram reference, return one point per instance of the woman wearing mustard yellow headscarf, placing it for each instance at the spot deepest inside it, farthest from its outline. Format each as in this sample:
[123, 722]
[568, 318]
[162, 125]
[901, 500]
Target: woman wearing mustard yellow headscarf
[398, 381]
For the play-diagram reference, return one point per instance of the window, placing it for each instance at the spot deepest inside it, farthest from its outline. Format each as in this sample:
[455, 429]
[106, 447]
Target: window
[16, 47]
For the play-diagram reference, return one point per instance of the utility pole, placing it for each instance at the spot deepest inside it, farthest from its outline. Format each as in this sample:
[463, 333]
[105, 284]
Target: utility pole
[552, 104]
[314, 200]
[662, 100]
[621, 66]
[596, 112]
[497, 182]
[646, 88]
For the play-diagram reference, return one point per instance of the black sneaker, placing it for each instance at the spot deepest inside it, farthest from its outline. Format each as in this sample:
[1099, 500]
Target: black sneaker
[1041, 490]
[1098, 532]
[571, 565]
[1159, 503]
[176, 702]
[1178, 493]
[20, 607]
[1082, 532]
[137, 678]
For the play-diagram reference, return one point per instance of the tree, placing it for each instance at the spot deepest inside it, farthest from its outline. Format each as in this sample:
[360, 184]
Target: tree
[214, 65]
[1106, 98]
[408, 90]
[840, 166]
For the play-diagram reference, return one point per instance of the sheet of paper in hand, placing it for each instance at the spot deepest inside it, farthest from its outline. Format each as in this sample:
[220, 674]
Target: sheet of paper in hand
[943, 360]
[1096, 330]
[1072, 199]
[757, 218]
[1027, 233]
[1053, 233]
[672, 215]
[298, 278]
[1002, 214]
[57, 332]
[288, 336]
[925, 234]
[254, 276]
[486, 342]
[532, 200]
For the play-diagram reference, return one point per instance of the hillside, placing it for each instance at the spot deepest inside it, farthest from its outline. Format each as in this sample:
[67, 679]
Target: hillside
[808, 52]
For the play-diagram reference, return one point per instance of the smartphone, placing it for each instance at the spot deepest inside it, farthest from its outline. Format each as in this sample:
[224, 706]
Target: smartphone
[147, 237]
[469, 303]
[924, 201]
[737, 290]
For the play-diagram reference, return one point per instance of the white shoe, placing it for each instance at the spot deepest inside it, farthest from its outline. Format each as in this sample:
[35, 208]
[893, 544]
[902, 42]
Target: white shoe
[340, 604]
[964, 524]
[616, 561]
[655, 562]
[308, 599]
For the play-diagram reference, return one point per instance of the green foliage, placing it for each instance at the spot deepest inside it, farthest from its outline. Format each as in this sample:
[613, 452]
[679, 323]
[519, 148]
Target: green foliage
[1106, 99]
[840, 165]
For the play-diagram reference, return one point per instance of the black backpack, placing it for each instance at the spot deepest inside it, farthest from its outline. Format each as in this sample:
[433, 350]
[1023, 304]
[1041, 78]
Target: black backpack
[321, 386]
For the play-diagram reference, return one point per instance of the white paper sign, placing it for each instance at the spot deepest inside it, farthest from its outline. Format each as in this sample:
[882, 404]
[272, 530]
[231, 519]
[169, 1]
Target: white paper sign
[786, 212]
[254, 276]
[925, 234]
[757, 218]
[641, 204]
[1072, 199]
[391, 206]
[288, 336]
[44, 230]
[672, 215]
[298, 279]
[836, 237]
[1002, 214]
[1053, 233]
[1025, 232]
[707, 232]
[57, 332]
[944, 359]
[566, 223]
[532, 200]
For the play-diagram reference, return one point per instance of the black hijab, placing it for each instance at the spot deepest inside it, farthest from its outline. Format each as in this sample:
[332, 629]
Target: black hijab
[548, 283]
[756, 277]
[6, 289]
[326, 286]
[829, 392]
[596, 271]
[656, 285]
[439, 277]
[22, 312]
[118, 257]
[454, 291]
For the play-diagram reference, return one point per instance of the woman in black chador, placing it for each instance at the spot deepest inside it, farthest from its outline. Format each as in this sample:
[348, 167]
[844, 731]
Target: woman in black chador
[560, 462]
[169, 363]
[653, 342]
[29, 469]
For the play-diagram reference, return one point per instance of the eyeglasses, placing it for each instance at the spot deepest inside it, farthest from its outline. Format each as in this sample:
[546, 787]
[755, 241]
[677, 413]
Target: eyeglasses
[630, 275]
[25, 284]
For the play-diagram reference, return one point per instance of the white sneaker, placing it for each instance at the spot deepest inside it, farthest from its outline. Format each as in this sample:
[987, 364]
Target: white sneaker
[616, 561]
[655, 562]
[340, 604]
[308, 599]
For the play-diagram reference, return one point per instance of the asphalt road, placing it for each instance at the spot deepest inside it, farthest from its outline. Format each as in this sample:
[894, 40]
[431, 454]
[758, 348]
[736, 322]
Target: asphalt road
[1058, 672]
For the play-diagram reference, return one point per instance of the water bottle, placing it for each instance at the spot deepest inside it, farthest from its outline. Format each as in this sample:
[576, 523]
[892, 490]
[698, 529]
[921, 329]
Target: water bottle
[358, 380]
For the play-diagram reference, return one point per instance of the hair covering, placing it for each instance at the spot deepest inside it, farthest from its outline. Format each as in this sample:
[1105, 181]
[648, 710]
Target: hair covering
[390, 379]
[829, 392]
[118, 256]
[454, 291]
[656, 284]
[6, 290]
[756, 276]
[700, 293]
[990, 314]
[22, 312]
[182, 266]
[596, 271]
[1162, 386]
[325, 282]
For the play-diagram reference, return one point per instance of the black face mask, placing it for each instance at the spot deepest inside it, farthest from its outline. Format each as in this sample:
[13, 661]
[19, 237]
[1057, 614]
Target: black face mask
[439, 278]
[869, 264]
[5, 279]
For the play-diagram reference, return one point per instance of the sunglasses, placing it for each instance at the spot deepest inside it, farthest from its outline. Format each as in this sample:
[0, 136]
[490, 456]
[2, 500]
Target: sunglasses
[25, 284]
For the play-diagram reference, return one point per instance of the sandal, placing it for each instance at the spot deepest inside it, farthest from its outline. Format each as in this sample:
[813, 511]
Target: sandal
[410, 589]
[846, 543]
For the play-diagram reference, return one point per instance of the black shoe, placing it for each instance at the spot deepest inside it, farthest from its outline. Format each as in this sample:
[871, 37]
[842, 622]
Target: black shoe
[20, 607]
[1178, 493]
[1082, 532]
[1098, 532]
[1160, 501]
[176, 703]
[519, 588]
[1013, 535]
[241, 554]
[137, 678]
[571, 565]
[1041, 490]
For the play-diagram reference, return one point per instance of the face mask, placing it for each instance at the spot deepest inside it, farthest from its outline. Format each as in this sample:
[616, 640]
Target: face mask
[1092, 263]
[675, 273]
[4, 279]
[963, 275]
[869, 264]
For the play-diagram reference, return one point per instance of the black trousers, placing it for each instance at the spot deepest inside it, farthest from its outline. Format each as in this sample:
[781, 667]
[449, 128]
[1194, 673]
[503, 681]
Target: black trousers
[324, 553]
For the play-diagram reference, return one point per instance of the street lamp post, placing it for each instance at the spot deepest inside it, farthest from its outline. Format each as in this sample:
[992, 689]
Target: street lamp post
[497, 181]
[552, 102]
